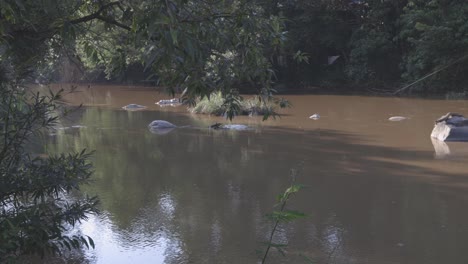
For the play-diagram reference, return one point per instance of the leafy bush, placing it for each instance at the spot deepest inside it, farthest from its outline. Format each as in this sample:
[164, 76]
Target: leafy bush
[36, 208]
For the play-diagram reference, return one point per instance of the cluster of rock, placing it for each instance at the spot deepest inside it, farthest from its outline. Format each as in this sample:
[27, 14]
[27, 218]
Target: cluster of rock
[162, 127]
[449, 127]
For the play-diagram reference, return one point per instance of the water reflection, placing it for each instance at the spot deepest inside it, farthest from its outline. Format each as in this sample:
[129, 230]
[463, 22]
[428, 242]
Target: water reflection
[450, 150]
[139, 243]
[200, 195]
[161, 131]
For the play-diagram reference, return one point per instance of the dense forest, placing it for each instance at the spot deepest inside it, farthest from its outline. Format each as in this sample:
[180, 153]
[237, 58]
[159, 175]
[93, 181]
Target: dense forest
[195, 48]
[338, 45]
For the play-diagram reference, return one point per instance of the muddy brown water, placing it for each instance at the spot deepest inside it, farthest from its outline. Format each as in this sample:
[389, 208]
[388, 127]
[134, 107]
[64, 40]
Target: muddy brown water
[376, 191]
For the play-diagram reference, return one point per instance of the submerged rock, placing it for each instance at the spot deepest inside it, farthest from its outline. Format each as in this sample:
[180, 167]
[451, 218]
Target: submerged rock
[451, 127]
[169, 102]
[161, 124]
[133, 107]
[235, 127]
[397, 118]
[161, 127]
[229, 126]
[315, 117]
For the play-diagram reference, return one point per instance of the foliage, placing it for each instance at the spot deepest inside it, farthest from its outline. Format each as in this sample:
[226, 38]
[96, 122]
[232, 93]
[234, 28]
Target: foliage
[436, 33]
[36, 206]
[282, 215]
[207, 46]
[192, 46]
[378, 43]
[217, 104]
[317, 29]
[374, 54]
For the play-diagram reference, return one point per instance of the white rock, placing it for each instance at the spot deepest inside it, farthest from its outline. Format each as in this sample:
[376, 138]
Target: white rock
[397, 118]
[449, 132]
[235, 127]
[315, 117]
[173, 101]
[133, 107]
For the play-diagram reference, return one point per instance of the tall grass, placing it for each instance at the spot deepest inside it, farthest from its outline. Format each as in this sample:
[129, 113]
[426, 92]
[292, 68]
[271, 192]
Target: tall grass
[215, 105]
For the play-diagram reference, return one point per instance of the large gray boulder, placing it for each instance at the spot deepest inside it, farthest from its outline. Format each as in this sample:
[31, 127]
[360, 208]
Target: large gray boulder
[160, 124]
[451, 127]
[161, 127]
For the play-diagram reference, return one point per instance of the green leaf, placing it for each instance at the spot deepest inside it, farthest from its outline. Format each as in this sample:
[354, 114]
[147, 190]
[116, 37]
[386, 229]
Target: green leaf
[293, 189]
[420, 26]
[275, 245]
[286, 216]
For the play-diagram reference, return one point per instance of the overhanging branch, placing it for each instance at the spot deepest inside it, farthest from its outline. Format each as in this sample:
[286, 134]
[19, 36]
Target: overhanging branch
[97, 15]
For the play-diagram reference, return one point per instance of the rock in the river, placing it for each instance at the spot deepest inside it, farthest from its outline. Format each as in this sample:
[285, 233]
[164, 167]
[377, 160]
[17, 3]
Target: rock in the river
[315, 117]
[160, 124]
[397, 118]
[133, 107]
[161, 127]
[235, 127]
[169, 102]
[229, 126]
[451, 127]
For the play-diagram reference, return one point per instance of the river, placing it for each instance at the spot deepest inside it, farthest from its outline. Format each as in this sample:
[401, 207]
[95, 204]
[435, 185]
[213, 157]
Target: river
[376, 191]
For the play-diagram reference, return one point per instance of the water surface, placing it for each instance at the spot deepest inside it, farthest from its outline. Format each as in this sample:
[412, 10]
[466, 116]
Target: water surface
[376, 191]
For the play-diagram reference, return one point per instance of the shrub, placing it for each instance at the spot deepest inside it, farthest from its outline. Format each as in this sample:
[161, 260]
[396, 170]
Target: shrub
[216, 105]
[36, 209]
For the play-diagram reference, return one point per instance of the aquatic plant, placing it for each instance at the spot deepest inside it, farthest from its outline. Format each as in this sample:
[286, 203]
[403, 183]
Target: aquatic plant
[217, 104]
[283, 216]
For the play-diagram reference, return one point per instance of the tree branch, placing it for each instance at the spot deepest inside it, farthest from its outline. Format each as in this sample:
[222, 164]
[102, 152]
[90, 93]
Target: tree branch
[113, 22]
[97, 15]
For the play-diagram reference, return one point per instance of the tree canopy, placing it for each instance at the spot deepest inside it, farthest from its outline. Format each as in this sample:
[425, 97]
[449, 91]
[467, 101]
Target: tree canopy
[194, 46]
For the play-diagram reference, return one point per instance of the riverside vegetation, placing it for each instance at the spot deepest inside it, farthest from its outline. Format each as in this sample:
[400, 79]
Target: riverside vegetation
[215, 104]
[198, 48]
[39, 199]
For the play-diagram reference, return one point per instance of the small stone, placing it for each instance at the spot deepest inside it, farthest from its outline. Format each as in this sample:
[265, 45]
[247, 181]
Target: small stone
[315, 117]
[397, 118]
